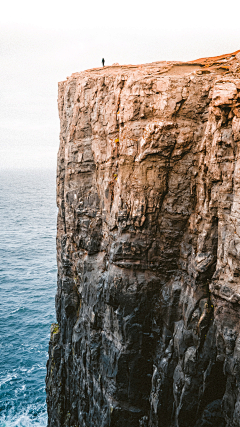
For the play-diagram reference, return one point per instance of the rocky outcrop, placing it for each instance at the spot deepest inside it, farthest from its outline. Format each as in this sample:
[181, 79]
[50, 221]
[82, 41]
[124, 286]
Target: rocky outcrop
[148, 247]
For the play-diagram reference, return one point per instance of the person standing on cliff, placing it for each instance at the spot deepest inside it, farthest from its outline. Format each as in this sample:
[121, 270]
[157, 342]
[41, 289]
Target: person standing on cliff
[103, 62]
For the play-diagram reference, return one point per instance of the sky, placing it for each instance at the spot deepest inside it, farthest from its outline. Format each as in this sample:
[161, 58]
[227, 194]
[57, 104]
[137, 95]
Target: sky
[43, 42]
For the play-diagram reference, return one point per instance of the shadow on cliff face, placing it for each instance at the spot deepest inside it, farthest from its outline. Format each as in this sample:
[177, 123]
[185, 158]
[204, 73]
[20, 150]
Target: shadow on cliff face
[215, 386]
[209, 412]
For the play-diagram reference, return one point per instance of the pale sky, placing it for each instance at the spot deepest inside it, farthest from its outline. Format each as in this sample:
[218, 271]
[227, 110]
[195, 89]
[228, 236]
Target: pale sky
[43, 42]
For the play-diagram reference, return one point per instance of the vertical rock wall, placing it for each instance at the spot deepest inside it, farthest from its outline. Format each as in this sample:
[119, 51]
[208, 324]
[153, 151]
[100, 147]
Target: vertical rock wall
[148, 248]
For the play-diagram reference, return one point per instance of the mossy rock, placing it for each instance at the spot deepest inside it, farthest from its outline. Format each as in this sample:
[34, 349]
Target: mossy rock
[54, 332]
[55, 328]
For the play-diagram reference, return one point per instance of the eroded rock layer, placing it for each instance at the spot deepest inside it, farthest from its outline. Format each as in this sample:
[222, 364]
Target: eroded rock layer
[148, 247]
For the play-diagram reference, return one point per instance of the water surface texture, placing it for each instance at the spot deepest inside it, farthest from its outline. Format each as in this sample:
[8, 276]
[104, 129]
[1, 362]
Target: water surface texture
[27, 290]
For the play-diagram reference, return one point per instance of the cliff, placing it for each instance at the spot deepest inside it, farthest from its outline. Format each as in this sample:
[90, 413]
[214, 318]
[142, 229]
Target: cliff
[148, 247]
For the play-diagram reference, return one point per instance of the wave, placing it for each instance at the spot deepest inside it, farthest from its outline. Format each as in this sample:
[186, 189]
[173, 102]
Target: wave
[33, 416]
[8, 378]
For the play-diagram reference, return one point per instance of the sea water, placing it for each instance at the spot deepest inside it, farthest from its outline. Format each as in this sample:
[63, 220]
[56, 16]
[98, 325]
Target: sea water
[27, 290]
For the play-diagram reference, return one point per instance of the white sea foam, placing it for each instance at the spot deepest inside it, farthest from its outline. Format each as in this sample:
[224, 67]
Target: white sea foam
[23, 420]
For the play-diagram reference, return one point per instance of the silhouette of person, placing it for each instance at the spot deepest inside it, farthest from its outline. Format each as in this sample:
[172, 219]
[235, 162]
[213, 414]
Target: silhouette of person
[103, 62]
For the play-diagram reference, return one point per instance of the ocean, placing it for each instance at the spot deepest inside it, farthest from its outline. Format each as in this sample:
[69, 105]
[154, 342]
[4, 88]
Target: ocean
[28, 276]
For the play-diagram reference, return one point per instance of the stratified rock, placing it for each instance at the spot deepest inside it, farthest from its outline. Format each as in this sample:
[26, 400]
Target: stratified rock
[148, 247]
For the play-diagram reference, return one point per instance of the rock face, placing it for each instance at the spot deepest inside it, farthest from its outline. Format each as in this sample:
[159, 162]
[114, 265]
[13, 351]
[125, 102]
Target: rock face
[148, 247]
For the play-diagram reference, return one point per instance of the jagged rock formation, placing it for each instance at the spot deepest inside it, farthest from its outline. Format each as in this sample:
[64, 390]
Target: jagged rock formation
[148, 247]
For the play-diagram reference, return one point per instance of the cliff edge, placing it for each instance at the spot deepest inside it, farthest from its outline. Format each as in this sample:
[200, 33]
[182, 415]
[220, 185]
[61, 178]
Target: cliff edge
[148, 247]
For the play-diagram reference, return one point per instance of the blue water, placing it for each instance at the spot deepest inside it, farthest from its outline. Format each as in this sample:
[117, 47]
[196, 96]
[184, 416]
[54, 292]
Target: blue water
[27, 290]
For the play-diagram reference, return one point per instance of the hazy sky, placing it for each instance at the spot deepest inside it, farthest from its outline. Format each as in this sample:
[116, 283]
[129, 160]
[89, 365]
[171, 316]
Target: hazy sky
[43, 42]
